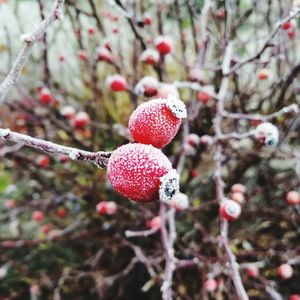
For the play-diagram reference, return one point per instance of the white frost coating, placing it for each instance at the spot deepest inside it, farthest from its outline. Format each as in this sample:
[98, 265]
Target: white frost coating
[268, 132]
[177, 107]
[169, 185]
[4, 133]
[73, 154]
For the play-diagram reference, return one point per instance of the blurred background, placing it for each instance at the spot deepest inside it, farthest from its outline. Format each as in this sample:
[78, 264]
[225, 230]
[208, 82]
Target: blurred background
[56, 243]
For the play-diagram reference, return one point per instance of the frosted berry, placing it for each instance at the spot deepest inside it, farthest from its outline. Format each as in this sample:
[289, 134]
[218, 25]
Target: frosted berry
[252, 271]
[37, 216]
[196, 75]
[287, 25]
[294, 297]
[285, 271]
[147, 86]
[45, 96]
[238, 188]
[142, 173]
[179, 201]
[81, 120]
[267, 133]
[210, 285]
[206, 140]
[154, 223]
[230, 210]
[150, 57]
[156, 122]
[293, 197]
[106, 207]
[193, 139]
[147, 19]
[68, 112]
[263, 74]
[45, 229]
[163, 45]
[166, 90]
[117, 83]
[103, 54]
[43, 161]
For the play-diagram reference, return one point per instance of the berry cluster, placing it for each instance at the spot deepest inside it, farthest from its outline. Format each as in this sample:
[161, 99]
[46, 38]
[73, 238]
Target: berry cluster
[140, 171]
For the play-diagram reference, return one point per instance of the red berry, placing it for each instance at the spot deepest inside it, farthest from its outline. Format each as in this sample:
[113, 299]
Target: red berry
[38, 216]
[293, 197]
[147, 19]
[238, 188]
[61, 212]
[117, 83]
[263, 74]
[193, 139]
[105, 55]
[147, 86]
[106, 208]
[230, 210]
[83, 56]
[64, 158]
[157, 121]
[163, 45]
[203, 97]
[154, 223]
[194, 173]
[45, 96]
[142, 173]
[68, 112]
[210, 285]
[91, 31]
[292, 33]
[81, 120]
[287, 25]
[285, 271]
[43, 161]
[252, 271]
[150, 57]
[45, 229]
[295, 297]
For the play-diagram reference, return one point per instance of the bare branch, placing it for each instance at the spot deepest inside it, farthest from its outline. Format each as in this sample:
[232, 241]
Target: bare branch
[29, 40]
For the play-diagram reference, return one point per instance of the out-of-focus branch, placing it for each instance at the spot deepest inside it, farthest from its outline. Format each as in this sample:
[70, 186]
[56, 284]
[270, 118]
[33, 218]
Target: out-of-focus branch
[99, 158]
[267, 42]
[218, 158]
[29, 40]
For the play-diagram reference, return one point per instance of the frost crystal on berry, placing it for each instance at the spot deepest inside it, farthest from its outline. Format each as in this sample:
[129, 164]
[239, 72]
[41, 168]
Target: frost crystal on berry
[169, 185]
[177, 107]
